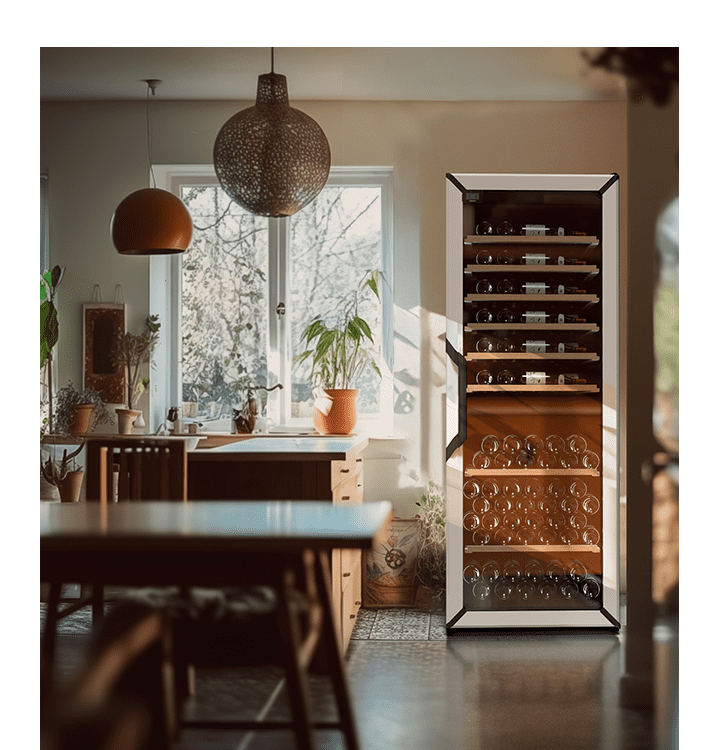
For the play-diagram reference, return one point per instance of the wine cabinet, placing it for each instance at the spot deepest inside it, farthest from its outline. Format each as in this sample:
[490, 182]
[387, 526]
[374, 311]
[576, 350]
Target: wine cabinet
[532, 401]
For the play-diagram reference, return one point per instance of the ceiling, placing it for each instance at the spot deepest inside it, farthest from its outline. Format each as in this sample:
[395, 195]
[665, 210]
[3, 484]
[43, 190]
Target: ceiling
[329, 73]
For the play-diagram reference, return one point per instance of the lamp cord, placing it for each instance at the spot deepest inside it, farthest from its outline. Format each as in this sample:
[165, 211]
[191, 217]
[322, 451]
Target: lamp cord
[272, 59]
[149, 150]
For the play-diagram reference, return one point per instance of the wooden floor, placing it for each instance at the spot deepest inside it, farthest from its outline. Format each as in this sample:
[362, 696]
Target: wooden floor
[415, 689]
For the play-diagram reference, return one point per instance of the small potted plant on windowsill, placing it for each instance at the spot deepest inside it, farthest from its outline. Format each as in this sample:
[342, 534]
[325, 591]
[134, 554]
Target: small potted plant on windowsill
[337, 347]
[132, 350]
[78, 412]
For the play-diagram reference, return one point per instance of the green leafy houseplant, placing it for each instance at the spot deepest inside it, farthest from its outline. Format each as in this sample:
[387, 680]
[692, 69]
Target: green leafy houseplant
[337, 346]
[132, 350]
[68, 398]
[432, 534]
[49, 328]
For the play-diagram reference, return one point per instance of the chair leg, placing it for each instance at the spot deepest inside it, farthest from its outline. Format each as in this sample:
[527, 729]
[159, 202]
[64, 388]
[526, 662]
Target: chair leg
[47, 645]
[333, 652]
[297, 682]
[98, 603]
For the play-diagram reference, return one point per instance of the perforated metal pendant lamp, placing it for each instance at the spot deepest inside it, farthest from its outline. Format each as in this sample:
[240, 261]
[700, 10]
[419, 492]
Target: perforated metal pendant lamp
[272, 159]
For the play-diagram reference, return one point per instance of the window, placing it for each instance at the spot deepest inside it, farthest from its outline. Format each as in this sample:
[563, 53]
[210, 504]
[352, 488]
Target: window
[238, 299]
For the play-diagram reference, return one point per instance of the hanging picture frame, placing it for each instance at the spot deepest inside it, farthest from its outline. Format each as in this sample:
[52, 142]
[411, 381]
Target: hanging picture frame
[101, 324]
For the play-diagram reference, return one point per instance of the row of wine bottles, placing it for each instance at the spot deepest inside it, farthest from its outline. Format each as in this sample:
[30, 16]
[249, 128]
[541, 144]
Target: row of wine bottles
[525, 591]
[506, 286]
[487, 344]
[509, 315]
[530, 377]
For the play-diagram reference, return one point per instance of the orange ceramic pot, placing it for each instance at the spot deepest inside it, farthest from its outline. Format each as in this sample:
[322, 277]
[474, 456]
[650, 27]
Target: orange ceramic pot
[342, 416]
[80, 424]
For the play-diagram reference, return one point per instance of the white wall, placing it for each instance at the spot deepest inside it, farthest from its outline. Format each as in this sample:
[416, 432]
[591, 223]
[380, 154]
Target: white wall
[96, 153]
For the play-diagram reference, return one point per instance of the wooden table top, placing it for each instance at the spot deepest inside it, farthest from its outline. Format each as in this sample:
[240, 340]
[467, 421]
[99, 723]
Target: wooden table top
[222, 526]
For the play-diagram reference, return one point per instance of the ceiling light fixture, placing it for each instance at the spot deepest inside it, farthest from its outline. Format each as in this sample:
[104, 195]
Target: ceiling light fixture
[151, 221]
[272, 159]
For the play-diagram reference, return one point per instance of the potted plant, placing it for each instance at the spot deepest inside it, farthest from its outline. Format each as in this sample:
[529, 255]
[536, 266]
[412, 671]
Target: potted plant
[132, 350]
[337, 347]
[64, 475]
[431, 568]
[49, 331]
[79, 412]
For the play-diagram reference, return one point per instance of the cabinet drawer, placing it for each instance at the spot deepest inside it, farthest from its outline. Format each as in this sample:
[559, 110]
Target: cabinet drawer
[343, 470]
[351, 600]
[351, 566]
[349, 492]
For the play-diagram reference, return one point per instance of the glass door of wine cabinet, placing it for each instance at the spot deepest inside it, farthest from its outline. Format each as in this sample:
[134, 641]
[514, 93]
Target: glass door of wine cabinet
[532, 401]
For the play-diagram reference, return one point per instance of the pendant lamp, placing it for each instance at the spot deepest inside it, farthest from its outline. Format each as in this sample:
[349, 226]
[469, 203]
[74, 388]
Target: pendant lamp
[151, 221]
[272, 159]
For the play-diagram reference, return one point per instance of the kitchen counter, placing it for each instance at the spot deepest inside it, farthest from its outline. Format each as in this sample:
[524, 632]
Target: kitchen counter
[264, 467]
[271, 447]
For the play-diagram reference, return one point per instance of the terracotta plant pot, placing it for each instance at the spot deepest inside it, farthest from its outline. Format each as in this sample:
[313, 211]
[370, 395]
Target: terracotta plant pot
[342, 415]
[125, 419]
[82, 420]
[70, 486]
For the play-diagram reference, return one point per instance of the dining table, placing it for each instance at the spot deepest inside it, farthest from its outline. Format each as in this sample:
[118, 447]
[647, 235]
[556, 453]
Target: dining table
[209, 544]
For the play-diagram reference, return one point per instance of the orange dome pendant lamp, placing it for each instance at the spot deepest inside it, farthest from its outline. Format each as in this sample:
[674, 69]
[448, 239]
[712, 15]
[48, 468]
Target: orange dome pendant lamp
[151, 221]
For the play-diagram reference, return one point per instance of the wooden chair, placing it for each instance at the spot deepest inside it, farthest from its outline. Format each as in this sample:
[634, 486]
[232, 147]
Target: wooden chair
[149, 468]
[123, 697]
[282, 625]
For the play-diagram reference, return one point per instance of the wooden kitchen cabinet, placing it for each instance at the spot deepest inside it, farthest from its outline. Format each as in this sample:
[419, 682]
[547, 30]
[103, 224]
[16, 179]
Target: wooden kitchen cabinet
[306, 468]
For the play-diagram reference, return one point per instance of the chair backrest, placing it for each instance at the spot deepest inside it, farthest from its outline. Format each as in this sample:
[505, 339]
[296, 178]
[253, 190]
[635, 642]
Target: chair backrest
[148, 469]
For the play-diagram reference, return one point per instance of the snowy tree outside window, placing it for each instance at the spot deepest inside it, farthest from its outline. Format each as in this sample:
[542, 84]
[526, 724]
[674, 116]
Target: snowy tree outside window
[230, 277]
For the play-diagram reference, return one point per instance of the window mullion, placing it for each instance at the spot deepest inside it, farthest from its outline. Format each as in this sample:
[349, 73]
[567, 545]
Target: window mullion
[278, 366]
[285, 395]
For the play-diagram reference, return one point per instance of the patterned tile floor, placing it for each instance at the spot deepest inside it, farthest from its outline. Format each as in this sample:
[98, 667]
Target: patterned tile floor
[399, 624]
[394, 624]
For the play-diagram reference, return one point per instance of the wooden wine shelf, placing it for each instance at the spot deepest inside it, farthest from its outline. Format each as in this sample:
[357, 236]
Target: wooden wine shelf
[589, 270]
[469, 548]
[588, 298]
[588, 388]
[532, 472]
[521, 239]
[592, 327]
[582, 356]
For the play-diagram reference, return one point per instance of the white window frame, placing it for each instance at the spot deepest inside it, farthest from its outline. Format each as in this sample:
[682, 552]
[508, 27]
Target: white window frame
[166, 299]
